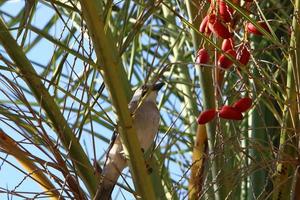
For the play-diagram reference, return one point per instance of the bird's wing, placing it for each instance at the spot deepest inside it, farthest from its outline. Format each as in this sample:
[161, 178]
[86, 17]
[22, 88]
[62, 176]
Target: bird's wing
[132, 106]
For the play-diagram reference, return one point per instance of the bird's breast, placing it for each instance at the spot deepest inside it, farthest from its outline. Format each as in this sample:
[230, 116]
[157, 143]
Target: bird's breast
[146, 123]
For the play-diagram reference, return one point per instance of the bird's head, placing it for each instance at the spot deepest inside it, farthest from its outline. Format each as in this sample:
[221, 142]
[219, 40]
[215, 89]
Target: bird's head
[149, 90]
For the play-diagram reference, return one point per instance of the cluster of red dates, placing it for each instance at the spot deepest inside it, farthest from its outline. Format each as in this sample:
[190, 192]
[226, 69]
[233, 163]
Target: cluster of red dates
[220, 23]
[233, 112]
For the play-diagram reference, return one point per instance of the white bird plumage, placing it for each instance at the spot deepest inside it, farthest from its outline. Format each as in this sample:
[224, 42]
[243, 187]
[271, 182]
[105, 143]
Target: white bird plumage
[146, 122]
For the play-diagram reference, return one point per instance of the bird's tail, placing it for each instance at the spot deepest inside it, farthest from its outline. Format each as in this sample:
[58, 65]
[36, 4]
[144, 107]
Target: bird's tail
[110, 177]
[105, 192]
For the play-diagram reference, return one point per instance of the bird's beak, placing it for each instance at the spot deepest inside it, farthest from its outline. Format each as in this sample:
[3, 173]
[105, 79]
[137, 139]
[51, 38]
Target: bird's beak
[157, 86]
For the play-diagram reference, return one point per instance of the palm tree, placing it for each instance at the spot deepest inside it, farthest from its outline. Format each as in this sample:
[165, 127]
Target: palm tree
[69, 68]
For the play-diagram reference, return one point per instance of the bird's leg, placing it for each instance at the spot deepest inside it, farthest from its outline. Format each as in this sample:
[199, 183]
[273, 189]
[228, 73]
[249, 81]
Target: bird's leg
[147, 158]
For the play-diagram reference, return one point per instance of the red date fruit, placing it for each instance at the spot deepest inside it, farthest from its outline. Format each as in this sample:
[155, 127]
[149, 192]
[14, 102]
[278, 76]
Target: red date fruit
[202, 56]
[228, 112]
[216, 26]
[225, 11]
[252, 29]
[243, 104]
[206, 116]
[224, 62]
[203, 26]
[243, 55]
[227, 44]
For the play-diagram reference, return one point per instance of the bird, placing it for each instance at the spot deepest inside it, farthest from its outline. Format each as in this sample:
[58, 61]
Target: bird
[146, 119]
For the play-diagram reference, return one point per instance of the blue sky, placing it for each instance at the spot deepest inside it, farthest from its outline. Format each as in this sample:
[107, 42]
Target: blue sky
[10, 177]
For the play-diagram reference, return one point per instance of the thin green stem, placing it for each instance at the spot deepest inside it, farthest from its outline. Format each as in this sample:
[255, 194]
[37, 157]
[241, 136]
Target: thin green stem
[207, 88]
[70, 142]
[116, 80]
[290, 129]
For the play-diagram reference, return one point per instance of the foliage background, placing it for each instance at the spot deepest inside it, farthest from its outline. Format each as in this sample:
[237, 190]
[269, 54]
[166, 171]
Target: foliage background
[146, 42]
